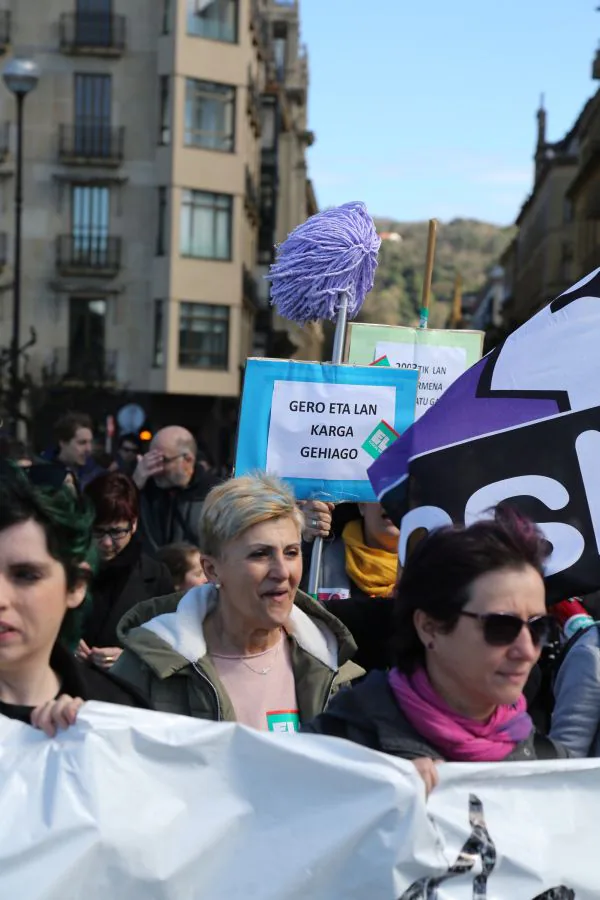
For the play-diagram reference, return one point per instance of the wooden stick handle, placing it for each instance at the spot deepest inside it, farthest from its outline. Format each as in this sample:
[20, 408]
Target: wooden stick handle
[431, 241]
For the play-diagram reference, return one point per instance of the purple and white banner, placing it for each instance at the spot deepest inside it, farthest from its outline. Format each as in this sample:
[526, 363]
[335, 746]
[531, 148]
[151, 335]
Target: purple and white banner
[521, 426]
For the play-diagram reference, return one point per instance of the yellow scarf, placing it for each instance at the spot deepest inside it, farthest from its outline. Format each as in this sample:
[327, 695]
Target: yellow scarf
[373, 571]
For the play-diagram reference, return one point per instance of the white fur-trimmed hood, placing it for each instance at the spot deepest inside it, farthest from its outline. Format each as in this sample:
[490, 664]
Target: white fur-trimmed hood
[183, 629]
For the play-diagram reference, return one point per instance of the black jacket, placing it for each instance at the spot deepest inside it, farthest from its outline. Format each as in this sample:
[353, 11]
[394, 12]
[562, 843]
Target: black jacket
[368, 619]
[121, 584]
[170, 516]
[79, 680]
[369, 715]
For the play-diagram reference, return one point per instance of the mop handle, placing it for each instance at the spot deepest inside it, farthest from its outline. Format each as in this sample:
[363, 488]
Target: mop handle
[426, 296]
[338, 354]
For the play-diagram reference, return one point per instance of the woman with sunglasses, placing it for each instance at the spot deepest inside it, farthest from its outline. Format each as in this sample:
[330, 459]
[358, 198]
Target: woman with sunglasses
[470, 623]
[126, 575]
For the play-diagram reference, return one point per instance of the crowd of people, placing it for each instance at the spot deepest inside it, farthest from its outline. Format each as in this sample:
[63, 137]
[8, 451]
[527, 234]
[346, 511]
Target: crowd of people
[144, 580]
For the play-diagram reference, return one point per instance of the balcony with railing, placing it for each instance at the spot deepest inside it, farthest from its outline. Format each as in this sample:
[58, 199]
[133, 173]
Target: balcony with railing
[250, 289]
[3, 250]
[253, 104]
[251, 198]
[4, 141]
[4, 30]
[91, 144]
[88, 254]
[92, 34]
[81, 365]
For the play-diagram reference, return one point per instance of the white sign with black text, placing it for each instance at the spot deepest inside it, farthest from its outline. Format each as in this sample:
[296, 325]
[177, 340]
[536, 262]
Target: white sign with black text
[317, 430]
[438, 367]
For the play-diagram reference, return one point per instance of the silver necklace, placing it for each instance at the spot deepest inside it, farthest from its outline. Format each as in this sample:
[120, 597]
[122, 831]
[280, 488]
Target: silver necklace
[266, 669]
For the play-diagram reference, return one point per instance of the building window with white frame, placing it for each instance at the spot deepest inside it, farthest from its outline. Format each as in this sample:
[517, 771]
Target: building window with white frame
[203, 336]
[205, 225]
[216, 20]
[209, 115]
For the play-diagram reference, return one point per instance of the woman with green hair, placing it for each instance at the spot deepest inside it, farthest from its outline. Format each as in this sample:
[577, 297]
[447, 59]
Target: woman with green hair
[46, 562]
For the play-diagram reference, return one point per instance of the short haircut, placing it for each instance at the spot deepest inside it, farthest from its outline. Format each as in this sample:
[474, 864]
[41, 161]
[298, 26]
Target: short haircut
[130, 438]
[177, 559]
[114, 498]
[235, 505]
[66, 427]
[11, 448]
[440, 571]
[66, 521]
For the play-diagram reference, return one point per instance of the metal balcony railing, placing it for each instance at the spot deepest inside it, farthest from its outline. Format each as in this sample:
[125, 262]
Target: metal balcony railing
[92, 33]
[251, 201]
[3, 249]
[250, 288]
[81, 365]
[4, 30]
[91, 143]
[4, 141]
[91, 254]
[253, 104]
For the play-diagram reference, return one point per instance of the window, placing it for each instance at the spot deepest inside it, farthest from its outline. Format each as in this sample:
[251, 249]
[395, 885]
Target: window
[94, 23]
[87, 348]
[213, 19]
[203, 336]
[90, 219]
[92, 115]
[209, 115]
[164, 130]
[206, 225]
[158, 354]
[162, 222]
[167, 12]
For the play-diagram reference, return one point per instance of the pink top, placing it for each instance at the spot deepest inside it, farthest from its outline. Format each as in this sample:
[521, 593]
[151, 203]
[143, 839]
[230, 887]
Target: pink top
[261, 687]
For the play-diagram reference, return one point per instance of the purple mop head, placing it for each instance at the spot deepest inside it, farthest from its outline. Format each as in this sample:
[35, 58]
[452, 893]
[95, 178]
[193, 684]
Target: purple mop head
[332, 252]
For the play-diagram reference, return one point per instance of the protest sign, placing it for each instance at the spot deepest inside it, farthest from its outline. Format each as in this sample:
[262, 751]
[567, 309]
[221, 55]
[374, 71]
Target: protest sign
[319, 426]
[131, 804]
[440, 356]
[521, 426]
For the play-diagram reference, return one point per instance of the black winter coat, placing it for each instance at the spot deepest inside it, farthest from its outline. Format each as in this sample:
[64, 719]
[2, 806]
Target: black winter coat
[170, 516]
[121, 584]
[79, 680]
[369, 715]
[368, 619]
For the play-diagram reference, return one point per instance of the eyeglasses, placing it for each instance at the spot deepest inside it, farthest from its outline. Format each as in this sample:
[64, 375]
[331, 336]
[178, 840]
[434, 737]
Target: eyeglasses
[502, 629]
[115, 534]
[169, 459]
[126, 449]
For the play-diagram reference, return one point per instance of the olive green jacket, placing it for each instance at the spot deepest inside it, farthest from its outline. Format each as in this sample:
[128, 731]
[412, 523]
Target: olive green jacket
[165, 656]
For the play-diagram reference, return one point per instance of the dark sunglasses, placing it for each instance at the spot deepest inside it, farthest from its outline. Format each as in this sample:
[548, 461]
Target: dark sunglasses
[502, 629]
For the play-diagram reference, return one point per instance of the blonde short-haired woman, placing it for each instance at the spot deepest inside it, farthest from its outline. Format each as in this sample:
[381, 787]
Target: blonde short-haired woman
[247, 646]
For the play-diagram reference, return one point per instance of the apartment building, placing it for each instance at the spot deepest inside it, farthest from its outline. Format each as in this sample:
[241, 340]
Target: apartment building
[156, 182]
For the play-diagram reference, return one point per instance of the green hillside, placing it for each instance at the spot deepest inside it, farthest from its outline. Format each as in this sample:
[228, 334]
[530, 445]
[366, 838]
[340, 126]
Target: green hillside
[463, 245]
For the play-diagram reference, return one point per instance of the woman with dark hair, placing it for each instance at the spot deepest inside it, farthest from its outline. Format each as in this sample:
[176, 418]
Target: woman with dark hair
[126, 576]
[470, 623]
[46, 558]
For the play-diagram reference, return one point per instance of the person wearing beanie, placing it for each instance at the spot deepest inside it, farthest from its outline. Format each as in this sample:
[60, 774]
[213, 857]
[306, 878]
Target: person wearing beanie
[576, 714]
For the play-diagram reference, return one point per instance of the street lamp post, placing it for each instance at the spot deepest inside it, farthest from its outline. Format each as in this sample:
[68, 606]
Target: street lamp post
[20, 77]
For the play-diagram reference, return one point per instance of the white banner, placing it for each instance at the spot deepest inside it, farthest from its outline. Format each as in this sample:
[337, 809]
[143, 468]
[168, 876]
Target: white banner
[130, 805]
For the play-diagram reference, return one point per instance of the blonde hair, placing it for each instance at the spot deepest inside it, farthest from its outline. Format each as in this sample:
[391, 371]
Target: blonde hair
[238, 504]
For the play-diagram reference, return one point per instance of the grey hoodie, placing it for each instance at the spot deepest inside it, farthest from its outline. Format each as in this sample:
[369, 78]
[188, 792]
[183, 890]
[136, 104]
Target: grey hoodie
[576, 715]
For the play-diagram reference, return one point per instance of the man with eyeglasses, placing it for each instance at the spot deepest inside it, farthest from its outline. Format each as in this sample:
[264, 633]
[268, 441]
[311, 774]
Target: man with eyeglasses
[128, 451]
[172, 489]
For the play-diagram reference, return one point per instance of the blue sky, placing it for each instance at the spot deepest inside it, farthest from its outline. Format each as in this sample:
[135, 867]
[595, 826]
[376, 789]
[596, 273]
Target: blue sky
[427, 108]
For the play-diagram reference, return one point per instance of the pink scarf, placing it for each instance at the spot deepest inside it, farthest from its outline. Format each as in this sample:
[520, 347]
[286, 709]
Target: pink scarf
[457, 737]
